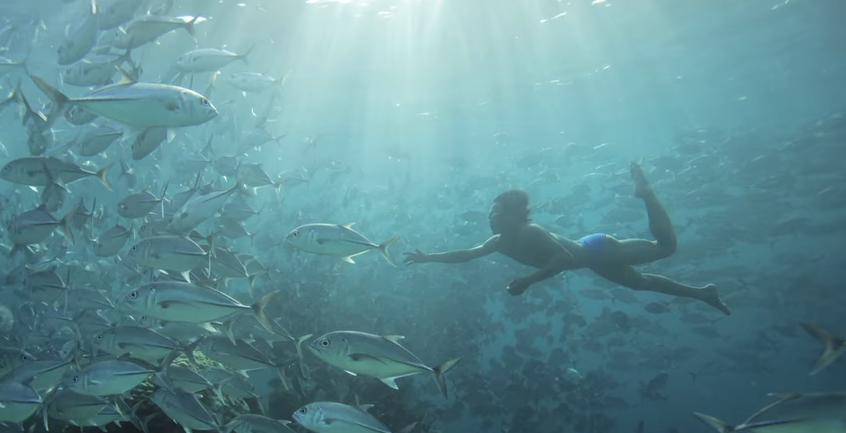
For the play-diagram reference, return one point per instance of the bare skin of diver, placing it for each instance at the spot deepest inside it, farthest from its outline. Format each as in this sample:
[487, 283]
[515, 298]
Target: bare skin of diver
[515, 236]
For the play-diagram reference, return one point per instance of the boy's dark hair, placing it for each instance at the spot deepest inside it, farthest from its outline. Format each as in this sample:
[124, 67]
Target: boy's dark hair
[515, 203]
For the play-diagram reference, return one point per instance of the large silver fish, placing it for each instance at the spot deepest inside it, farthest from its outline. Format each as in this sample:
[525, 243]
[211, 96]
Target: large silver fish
[37, 171]
[330, 417]
[376, 356]
[254, 81]
[337, 240]
[208, 59]
[183, 408]
[172, 253]
[109, 377]
[137, 104]
[198, 209]
[185, 302]
[147, 28]
[139, 204]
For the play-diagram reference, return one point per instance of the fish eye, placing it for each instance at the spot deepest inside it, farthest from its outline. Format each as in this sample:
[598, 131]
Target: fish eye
[24, 357]
[324, 342]
[133, 294]
[135, 248]
[295, 233]
[205, 102]
[303, 411]
[99, 337]
[75, 379]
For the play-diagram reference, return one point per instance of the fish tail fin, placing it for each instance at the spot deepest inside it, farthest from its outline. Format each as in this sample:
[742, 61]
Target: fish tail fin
[189, 351]
[258, 309]
[300, 342]
[833, 346]
[64, 224]
[718, 425]
[126, 57]
[101, 176]
[163, 370]
[162, 196]
[246, 54]
[278, 187]
[16, 96]
[281, 80]
[439, 372]
[60, 100]
[383, 248]
[189, 26]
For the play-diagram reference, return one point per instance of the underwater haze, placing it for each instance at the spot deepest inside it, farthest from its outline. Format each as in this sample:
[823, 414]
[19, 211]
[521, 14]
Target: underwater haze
[422, 216]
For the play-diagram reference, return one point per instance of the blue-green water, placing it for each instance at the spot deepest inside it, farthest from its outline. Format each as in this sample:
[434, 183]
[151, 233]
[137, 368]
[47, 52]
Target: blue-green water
[409, 118]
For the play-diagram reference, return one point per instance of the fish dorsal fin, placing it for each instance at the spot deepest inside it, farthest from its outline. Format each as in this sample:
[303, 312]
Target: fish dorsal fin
[347, 226]
[394, 338]
[125, 78]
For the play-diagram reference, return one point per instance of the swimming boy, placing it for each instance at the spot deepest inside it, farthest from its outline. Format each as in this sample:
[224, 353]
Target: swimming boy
[515, 236]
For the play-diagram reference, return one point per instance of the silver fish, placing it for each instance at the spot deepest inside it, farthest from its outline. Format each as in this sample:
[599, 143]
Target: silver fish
[11, 358]
[84, 299]
[17, 402]
[147, 141]
[330, 417]
[110, 377]
[198, 209]
[96, 71]
[185, 302]
[36, 171]
[183, 408]
[77, 115]
[139, 204]
[208, 59]
[111, 241]
[138, 342]
[137, 104]
[229, 383]
[238, 355]
[74, 408]
[376, 356]
[188, 379]
[172, 253]
[254, 81]
[96, 140]
[147, 28]
[337, 240]
[40, 375]
[35, 226]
